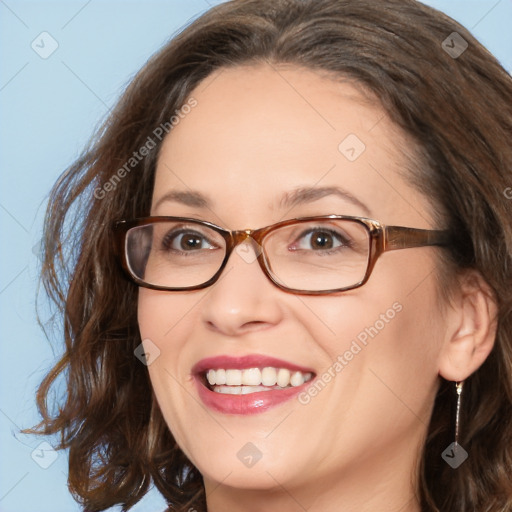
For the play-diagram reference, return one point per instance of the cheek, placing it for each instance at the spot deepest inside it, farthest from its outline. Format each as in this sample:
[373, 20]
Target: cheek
[165, 322]
[168, 321]
[383, 342]
[161, 315]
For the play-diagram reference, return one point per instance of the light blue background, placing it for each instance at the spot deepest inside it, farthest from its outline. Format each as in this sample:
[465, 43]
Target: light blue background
[49, 108]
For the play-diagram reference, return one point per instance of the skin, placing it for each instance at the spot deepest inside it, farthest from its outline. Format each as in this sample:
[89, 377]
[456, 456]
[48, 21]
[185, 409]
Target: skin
[256, 134]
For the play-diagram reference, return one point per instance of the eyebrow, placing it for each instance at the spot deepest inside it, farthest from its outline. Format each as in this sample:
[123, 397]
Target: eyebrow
[310, 194]
[194, 199]
[289, 200]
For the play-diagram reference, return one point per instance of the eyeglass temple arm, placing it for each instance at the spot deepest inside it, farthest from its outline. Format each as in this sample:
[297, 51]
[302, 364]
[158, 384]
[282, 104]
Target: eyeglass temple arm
[399, 237]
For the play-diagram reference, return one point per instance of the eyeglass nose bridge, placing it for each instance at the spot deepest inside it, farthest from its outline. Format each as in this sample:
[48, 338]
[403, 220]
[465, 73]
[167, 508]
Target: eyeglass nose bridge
[238, 237]
[241, 241]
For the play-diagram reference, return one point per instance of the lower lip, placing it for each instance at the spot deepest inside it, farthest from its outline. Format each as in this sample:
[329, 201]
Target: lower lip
[253, 403]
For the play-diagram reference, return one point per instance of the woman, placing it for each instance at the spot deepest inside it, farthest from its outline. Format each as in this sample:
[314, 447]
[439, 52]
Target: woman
[315, 312]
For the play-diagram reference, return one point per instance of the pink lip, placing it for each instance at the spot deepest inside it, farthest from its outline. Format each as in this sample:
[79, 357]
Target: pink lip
[252, 403]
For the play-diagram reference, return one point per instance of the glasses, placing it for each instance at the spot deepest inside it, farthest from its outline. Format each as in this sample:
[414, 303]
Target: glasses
[310, 255]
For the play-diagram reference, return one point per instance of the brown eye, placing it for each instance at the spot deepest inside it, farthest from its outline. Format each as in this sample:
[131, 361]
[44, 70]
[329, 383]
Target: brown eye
[186, 241]
[321, 240]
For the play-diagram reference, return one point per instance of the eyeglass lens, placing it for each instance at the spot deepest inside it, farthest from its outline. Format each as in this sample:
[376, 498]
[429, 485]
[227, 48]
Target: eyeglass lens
[314, 255]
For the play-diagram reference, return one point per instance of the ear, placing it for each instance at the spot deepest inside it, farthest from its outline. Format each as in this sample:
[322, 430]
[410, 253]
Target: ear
[471, 323]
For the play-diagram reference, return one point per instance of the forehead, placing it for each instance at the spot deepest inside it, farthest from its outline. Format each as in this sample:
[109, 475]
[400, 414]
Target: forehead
[258, 132]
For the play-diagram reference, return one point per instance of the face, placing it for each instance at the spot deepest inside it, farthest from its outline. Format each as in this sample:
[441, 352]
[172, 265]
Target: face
[256, 137]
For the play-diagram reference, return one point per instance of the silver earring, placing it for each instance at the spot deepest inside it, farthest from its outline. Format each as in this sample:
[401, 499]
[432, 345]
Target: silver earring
[455, 455]
[458, 387]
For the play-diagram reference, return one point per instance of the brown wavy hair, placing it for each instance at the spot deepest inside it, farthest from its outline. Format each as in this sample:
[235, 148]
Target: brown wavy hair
[458, 112]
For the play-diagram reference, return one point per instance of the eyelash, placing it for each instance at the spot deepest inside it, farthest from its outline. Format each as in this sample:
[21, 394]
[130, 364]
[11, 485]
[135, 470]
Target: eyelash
[170, 237]
[346, 243]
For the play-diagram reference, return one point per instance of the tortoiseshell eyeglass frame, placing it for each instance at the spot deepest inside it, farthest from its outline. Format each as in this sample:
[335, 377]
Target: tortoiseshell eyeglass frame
[382, 238]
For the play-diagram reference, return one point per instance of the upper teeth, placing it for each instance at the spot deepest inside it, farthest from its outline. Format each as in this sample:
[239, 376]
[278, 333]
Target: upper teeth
[267, 376]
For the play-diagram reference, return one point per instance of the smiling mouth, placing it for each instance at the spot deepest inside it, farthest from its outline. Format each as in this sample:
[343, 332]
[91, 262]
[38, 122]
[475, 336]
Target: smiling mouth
[253, 380]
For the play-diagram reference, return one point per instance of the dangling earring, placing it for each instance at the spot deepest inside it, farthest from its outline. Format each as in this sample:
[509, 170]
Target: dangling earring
[455, 454]
[458, 387]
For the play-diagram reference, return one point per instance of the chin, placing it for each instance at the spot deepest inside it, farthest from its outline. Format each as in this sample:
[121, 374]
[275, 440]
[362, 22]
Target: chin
[258, 477]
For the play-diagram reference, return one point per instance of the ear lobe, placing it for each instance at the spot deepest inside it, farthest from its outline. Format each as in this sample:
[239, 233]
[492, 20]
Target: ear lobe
[471, 325]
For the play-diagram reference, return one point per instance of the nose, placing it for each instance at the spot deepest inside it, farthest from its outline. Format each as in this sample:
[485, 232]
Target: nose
[243, 299]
